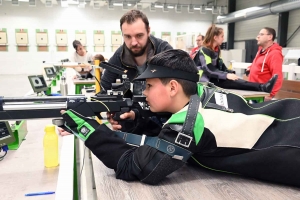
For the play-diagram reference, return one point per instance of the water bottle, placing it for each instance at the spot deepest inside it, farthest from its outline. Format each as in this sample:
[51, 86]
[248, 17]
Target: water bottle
[50, 147]
[63, 86]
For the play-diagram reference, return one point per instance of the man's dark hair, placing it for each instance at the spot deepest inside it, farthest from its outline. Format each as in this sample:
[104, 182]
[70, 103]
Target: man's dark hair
[76, 43]
[131, 16]
[202, 36]
[271, 31]
[177, 59]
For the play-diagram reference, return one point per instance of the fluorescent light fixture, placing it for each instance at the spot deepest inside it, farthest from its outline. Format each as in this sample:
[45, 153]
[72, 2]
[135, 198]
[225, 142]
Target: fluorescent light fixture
[208, 8]
[118, 4]
[158, 6]
[196, 8]
[24, 0]
[170, 6]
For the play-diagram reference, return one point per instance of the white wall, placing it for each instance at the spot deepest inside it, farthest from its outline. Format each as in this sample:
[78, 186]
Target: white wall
[73, 18]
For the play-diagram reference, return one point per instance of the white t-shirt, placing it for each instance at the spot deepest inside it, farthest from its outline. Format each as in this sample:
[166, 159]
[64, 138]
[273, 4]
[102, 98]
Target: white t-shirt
[81, 59]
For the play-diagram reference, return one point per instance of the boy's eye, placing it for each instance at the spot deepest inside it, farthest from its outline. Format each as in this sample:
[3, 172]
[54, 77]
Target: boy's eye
[148, 85]
[127, 36]
[139, 36]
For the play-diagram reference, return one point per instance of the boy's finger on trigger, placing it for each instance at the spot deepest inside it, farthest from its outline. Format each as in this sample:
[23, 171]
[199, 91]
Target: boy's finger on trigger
[62, 111]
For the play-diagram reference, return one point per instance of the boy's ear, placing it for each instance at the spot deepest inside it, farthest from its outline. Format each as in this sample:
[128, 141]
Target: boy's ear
[174, 87]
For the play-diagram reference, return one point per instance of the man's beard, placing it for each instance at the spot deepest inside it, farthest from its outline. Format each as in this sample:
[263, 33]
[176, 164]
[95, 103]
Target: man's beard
[141, 52]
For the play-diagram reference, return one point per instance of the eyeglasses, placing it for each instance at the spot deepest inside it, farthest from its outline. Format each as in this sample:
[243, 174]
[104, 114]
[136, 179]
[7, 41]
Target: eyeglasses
[261, 34]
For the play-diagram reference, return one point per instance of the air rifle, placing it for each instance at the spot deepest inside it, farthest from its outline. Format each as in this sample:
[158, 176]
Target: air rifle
[20, 108]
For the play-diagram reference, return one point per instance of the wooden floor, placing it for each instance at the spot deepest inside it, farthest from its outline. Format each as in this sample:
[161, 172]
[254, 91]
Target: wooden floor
[189, 183]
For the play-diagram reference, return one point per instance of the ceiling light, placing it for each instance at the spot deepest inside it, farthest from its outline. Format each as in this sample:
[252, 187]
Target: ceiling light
[118, 4]
[24, 0]
[196, 8]
[170, 6]
[208, 8]
[158, 6]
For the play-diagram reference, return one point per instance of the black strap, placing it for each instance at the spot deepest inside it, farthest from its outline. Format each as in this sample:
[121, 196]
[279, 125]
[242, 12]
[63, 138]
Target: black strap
[185, 137]
[191, 115]
[162, 145]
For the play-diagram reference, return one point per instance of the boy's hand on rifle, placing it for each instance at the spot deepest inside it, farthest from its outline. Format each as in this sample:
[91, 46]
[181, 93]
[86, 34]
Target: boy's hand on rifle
[81, 126]
[115, 124]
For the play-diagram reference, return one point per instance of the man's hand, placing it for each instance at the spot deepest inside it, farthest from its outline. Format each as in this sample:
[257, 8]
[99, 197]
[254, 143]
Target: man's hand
[232, 77]
[81, 126]
[115, 125]
[268, 98]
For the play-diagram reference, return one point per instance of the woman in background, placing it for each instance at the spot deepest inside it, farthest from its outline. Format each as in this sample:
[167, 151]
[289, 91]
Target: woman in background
[82, 56]
[208, 59]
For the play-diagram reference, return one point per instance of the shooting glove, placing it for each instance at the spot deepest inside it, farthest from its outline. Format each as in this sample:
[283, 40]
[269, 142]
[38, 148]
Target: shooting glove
[82, 127]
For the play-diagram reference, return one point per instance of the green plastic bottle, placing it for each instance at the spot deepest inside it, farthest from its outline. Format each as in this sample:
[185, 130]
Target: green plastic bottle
[50, 147]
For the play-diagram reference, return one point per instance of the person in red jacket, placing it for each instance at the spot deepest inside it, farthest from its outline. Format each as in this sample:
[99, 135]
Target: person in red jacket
[199, 41]
[268, 61]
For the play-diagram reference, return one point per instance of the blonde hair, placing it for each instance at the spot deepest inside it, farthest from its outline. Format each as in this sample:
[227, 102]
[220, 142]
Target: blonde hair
[210, 34]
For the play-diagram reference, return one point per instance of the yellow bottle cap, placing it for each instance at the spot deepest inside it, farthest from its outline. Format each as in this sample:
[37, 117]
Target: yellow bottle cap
[50, 127]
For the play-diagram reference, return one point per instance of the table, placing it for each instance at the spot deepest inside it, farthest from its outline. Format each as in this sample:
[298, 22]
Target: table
[188, 183]
[22, 171]
[80, 83]
[251, 95]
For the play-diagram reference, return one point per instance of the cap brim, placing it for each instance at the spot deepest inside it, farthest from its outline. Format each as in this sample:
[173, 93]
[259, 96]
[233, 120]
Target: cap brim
[154, 71]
